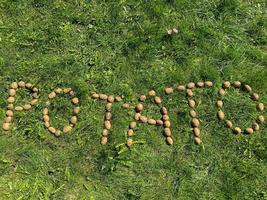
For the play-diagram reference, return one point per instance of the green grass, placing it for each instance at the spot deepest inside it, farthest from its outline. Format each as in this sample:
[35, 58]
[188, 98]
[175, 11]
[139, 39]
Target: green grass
[120, 47]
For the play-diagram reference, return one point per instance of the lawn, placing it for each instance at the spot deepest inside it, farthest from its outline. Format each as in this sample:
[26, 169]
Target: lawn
[122, 48]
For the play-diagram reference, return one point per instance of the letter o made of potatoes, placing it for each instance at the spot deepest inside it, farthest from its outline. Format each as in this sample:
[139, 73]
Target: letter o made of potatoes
[73, 119]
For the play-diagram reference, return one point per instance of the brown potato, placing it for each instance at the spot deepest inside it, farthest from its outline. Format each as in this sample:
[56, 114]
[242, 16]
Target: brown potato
[132, 125]
[247, 88]
[104, 140]
[208, 84]
[237, 130]
[11, 99]
[157, 100]
[143, 119]
[228, 123]
[159, 122]
[142, 98]
[169, 140]
[168, 90]
[152, 93]
[220, 115]
[95, 96]
[197, 140]
[261, 119]
[52, 95]
[108, 107]
[118, 99]
[137, 116]
[237, 84]
[221, 92]
[226, 84]
[9, 113]
[167, 124]
[190, 85]
[12, 92]
[74, 120]
[195, 122]
[75, 100]
[125, 105]
[167, 132]
[52, 129]
[21, 84]
[196, 132]
[164, 111]
[130, 133]
[108, 116]
[129, 142]
[67, 129]
[255, 96]
[6, 126]
[139, 107]
[77, 110]
[165, 117]
[46, 118]
[107, 124]
[249, 130]
[27, 106]
[151, 121]
[219, 104]
[189, 92]
[192, 113]
[103, 96]
[14, 85]
[8, 119]
[180, 87]
[260, 107]
[105, 132]
[200, 84]
[255, 126]
[111, 98]
[18, 108]
[191, 103]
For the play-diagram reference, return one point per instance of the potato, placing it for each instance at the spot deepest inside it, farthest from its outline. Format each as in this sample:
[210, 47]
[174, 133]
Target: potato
[143, 119]
[105, 132]
[95, 96]
[200, 84]
[191, 103]
[58, 133]
[159, 122]
[167, 132]
[6, 126]
[28, 85]
[11, 99]
[226, 84]
[139, 107]
[261, 119]
[9, 113]
[180, 87]
[165, 117]
[34, 102]
[197, 140]
[77, 110]
[196, 132]
[129, 142]
[75, 100]
[247, 88]
[10, 106]
[104, 140]
[221, 92]
[118, 99]
[193, 113]
[237, 84]
[189, 92]
[107, 124]
[18, 108]
[132, 125]
[60, 91]
[237, 130]
[27, 106]
[14, 85]
[111, 98]
[45, 111]
[190, 85]
[168, 90]
[157, 100]
[47, 124]
[255, 126]
[46, 118]
[164, 111]
[130, 133]
[249, 130]
[169, 140]
[108, 115]
[52, 129]
[8, 119]
[108, 107]
[151, 121]
[195, 122]
[142, 98]
[255, 96]
[22, 84]
[220, 115]
[67, 129]
[52, 95]
[12, 92]
[260, 107]
[228, 123]
[167, 124]
[152, 93]
[137, 116]
[219, 104]
[74, 120]
[208, 84]
[103, 96]
[125, 105]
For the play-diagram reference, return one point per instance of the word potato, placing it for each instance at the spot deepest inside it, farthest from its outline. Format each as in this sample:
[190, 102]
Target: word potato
[138, 117]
